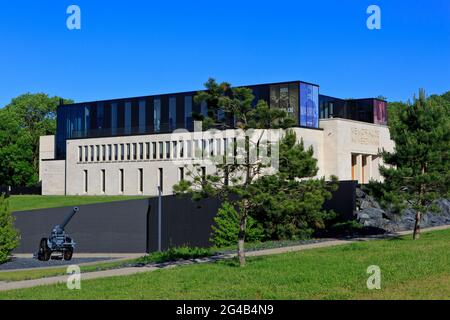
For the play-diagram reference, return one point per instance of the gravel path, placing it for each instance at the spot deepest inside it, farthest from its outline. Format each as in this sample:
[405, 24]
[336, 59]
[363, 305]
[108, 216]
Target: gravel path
[30, 263]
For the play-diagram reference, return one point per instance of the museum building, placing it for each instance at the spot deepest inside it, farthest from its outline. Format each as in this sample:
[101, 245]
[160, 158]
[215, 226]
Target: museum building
[132, 146]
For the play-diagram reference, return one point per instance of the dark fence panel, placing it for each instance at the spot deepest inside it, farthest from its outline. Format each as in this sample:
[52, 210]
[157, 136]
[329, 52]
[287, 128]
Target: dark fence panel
[20, 190]
[112, 227]
[132, 226]
[343, 200]
[184, 222]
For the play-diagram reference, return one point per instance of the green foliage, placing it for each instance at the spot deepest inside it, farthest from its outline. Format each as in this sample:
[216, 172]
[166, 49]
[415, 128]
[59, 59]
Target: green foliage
[291, 200]
[22, 122]
[419, 167]
[226, 228]
[173, 254]
[9, 237]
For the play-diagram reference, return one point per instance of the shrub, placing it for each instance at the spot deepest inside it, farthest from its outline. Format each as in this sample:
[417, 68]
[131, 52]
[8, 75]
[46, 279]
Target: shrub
[226, 228]
[173, 254]
[9, 237]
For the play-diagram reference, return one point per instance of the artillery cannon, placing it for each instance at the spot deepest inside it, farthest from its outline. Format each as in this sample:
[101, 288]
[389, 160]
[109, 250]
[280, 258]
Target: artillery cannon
[58, 242]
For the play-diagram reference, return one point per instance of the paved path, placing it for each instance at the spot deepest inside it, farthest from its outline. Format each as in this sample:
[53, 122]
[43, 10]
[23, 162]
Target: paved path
[133, 270]
[22, 262]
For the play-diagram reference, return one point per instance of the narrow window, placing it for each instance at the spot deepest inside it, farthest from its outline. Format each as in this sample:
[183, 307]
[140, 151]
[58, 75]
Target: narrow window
[147, 150]
[211, 147]
[175, 149]
[168, 150]
[204, 148]
[161, 179]
[116, 152]
[161, 150]
[86, 153]
[104, 152]
[98, 152]
[154, 153]
[181, 174]
[122, 152]
[134, 151]
[121, 180]
[128, 151]
[109, 152]
[141, 151]
[92, 153]
[141, 180]
[80, 154]
[85, 172]
[181, 149]
[103, 180]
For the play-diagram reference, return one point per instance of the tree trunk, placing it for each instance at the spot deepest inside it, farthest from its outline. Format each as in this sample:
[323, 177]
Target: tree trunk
[241, 239]
[416, 234]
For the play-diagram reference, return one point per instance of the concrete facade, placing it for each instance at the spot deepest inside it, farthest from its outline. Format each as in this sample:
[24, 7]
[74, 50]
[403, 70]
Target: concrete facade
[133, 165]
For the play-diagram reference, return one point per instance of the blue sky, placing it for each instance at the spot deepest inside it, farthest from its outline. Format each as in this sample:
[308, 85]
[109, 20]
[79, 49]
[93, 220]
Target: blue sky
[132, 48]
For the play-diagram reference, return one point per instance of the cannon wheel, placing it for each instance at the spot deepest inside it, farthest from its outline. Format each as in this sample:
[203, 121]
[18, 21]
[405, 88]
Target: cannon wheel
[68, 254]
[44, 251]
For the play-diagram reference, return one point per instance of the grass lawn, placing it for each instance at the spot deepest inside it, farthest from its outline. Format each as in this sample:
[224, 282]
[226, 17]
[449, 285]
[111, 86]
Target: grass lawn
[58, 271]
[21, 203]
[409, 270]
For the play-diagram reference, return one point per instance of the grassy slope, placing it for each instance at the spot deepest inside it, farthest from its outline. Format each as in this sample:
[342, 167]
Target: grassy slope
[410, 269]
[20, 203]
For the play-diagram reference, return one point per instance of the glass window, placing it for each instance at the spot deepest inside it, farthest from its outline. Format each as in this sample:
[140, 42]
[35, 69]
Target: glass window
[103, 152]
[147, 150]
[128, 151]
[127, 117]
[134, 151]
[114, 118]
[141, 151]
[161, 150]
[141, 180]
[157, 115]
[100, 116]
[92, 153]
[109, 152]
[103, 173]
[80, 154]
[181, 174]
[154, 153]
[167, 150]
[121, 180]
[122, 151]
[172, 113]
[142, 107]
[86, 181]
[188, 112]
[116, 152]
[86, 153]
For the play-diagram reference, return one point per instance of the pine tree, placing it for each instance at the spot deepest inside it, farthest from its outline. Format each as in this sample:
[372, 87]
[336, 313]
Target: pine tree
[418, 169]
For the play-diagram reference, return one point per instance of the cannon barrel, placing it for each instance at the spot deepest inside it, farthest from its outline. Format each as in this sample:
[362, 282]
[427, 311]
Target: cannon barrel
[68, 218]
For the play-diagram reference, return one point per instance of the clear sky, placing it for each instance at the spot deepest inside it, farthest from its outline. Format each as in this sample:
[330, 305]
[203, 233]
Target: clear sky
[132, 48]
